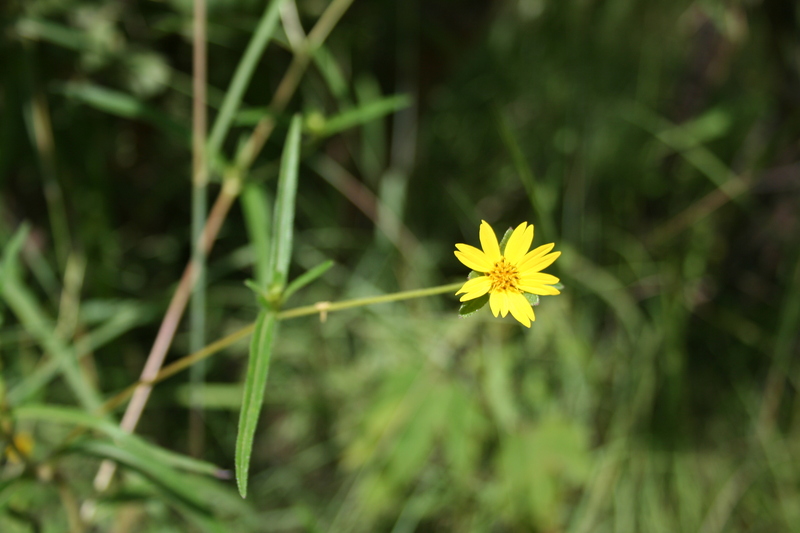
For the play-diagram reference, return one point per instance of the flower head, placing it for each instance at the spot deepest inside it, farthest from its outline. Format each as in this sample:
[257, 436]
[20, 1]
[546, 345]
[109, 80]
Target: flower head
[509, 273]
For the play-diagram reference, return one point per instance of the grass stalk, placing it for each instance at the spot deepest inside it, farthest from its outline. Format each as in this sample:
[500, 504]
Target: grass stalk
[197, 311]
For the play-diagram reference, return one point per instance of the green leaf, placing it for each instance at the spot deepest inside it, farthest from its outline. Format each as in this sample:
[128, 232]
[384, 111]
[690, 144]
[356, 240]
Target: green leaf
[180, 484]
[504, 240]
[254, 385]
[304, 279]
[331, 72]
[241, 78]
[256, 215]
[363, 114]
[126, 106]
[122, 439]
[283, 226]
[471, 307]
[22, 302]
[121, 318]
[533, 299]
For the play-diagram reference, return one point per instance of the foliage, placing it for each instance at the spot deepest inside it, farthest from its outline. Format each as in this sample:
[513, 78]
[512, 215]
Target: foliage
[655, 142]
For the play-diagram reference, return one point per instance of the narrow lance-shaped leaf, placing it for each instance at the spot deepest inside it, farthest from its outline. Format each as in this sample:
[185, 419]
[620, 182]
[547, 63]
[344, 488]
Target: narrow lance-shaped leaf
[365, 113]
[266, 324]
[283, 226]
[306, 278]
[254, 385]
[256, 214]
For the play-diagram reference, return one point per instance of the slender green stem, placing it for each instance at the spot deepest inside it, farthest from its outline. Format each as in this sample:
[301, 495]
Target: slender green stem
[320, 308]
[327, 307]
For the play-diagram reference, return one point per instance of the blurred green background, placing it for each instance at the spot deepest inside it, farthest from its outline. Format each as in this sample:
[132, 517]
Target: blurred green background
[655, 142]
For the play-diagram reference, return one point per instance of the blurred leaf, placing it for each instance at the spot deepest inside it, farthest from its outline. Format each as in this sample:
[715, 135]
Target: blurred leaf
[256, 210]
[71, 38]
[537, 465]
[181, 484]
[227, 396]
[123, 439]
[283, 225]
[363, 114]
[306, 278]
[120, 317]
[254, 385]
[465, 431]
[330, 70]
[124, 105]
[241, 78]
[250, 116]
[373, 138]
[27, 310]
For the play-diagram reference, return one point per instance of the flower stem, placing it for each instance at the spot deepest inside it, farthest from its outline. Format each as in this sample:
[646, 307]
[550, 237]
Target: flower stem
[321, 308]
[327, 307]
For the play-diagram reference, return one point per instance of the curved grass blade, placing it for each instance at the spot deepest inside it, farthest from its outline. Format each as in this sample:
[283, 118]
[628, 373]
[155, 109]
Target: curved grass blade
[27, 309]
[122, 439]
[365, 113]
[124, 105]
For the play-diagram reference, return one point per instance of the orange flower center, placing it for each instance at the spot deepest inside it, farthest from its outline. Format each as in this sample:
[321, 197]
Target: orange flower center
[504, 276]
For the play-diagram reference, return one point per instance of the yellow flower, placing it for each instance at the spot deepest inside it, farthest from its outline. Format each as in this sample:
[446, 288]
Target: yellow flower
[506, 276]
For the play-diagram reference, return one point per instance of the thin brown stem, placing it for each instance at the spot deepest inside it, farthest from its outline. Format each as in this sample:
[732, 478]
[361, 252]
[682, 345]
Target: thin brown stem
[197, 311]
[169, 325]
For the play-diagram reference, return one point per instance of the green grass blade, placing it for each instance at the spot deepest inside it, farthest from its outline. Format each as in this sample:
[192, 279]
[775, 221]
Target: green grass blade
[179, 483]
[525, 173]
[124, 105]
[256, 215]
[306, 278]
[331, 72]
[254, 385]
[283, 226]
[363, 114]
[247, 65]
[155, 454]
[122, 319]
[32, 317]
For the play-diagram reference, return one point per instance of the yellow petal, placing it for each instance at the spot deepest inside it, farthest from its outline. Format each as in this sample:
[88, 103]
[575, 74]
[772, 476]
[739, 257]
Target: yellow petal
[489, 242]
[538, 278]
[503, 300]
[494, 302]
[475, 287]
[538, 288]
[473, 258]
[521, 309]
[535, 254]
[540, 263]
[518, 243]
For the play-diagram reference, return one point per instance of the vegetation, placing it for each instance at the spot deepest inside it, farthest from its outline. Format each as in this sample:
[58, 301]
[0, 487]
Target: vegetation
[321, 368]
